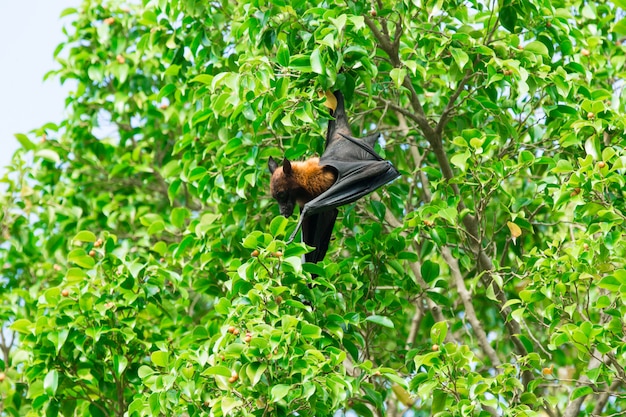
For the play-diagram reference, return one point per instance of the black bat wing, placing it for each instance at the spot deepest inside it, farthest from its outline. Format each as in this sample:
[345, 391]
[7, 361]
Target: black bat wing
[317, 229]
[355, 179]
[360, 170]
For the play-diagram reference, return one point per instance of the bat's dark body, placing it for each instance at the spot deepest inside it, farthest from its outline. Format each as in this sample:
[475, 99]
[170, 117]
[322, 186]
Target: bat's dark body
[359, 171]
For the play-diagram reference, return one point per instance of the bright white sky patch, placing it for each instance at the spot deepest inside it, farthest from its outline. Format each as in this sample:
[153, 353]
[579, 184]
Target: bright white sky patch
[30, 31]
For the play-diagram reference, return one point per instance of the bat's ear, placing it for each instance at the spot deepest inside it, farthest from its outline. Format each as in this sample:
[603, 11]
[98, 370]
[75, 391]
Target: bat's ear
[272, 165]
[287, 167]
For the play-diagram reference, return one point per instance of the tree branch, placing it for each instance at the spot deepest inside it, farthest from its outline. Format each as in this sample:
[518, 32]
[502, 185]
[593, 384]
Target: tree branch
[470, 313]
[573, 408]
[604, 397]
[470, 222]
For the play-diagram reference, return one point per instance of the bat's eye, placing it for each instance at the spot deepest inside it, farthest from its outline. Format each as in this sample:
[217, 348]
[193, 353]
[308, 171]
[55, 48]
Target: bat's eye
[282, 196]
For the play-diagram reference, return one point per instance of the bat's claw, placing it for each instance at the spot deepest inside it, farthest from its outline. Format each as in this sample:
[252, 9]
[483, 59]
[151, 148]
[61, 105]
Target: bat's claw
[292, 237]
[298, 226]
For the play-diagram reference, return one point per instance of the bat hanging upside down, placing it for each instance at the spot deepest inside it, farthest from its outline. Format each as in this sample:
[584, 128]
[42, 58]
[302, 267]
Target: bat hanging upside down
[348, 169]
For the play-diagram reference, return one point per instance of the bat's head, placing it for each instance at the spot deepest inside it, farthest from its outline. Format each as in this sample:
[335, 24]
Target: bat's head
[283, 186]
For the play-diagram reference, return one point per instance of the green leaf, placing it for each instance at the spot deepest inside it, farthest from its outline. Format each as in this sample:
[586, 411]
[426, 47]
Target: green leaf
[218, 370]
[620, 27]
[537, 48]
[439, 401]
[379, 209]
[311, 331]
[149, 18]
[229, 404]
[74, 275]
[508, 18]
[24, 141]
[581, 392]
[178, 216]
[430, 270]
[438, 332]
[48, 155]
[381, 320]
[58, 338]
[159, 358]
[84, 236]
[316, 62]
[460, 160]
[167, 90]
[119, 364]
[203, 78]
[145, 371]
[460, 57]
[255, 372]
[610, 283]
[23, 326]
[282, 55]
[278, 225]
[80, 258]
[279, 391]
[397, 76]
[51, 382]
[172, 70]
[68, 11]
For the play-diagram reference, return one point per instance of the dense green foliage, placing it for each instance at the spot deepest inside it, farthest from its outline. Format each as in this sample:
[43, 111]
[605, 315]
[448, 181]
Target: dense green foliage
[144, 269]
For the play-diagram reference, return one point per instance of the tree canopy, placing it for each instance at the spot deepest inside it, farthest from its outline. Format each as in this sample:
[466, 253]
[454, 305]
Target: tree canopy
[144, 270]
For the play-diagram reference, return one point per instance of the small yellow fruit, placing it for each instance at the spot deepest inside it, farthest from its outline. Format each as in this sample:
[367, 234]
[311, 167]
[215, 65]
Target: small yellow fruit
[65, 292]
[92, 253]
[601, 164]
[254, 253]
[435, 348]
[234, 377]
[585, 52]
[232, 329]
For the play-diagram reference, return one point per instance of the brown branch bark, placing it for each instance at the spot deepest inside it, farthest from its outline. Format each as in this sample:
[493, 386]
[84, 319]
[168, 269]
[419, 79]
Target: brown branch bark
[604, 398]
[470, 313]
[434, 137]
[416, 269]
[573, 408]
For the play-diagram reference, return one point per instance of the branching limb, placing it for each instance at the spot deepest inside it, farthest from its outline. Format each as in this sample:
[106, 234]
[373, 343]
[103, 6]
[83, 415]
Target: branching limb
[604, 398]
[470, 313]
[573, 407]
[470, 222]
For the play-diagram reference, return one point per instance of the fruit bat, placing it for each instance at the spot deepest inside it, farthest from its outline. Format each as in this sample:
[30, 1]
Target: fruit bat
[348, 169]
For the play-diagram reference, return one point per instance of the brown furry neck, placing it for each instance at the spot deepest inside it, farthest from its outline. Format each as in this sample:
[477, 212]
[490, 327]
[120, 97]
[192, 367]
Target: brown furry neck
[312, 177]
[303, 181]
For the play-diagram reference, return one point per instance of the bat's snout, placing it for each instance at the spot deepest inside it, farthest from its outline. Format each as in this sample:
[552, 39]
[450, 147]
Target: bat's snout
[286, 210]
